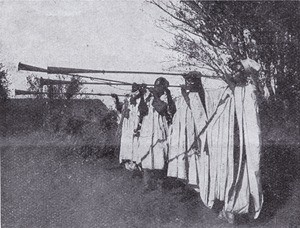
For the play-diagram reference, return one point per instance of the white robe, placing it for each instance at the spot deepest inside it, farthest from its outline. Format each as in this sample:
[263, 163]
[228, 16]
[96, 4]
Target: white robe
[187, 124]
[153, 145]
[247, 184]
[181, 132]
[216, 161]
[127, 148]
[200, 119]
[222, 175]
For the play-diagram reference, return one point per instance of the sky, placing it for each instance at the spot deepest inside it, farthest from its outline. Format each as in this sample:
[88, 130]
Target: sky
[102, 34]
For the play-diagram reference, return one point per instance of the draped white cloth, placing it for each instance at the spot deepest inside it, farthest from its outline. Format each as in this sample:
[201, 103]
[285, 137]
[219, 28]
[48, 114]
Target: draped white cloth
[200, 119]
[181, 136]
[226, 174]
[127, 148]
[247, 188]
[216, 161]
[153, 145]
[184, 144]
[222, 170]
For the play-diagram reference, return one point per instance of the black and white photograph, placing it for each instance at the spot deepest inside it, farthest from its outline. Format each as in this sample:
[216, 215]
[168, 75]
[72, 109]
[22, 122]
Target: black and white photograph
[149, 114]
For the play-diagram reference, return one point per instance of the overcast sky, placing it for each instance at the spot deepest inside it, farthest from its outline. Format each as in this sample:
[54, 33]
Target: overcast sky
[110, 35]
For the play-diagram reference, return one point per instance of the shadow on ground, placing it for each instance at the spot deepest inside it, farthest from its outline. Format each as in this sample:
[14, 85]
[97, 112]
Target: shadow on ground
[280, 170]
[56, 186]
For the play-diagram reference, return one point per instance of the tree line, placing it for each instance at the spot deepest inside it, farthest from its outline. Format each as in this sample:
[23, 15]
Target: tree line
[204, 33]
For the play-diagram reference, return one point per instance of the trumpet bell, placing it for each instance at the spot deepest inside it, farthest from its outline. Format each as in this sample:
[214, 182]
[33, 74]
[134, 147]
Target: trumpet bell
[25, 92]
[22, 66]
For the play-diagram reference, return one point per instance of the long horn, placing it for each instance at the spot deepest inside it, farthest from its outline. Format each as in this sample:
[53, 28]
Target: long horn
[62, 82]
[22, 66]
[74, 71]
[26, 67]
[64, 70]
[120, 84]
[25, 92]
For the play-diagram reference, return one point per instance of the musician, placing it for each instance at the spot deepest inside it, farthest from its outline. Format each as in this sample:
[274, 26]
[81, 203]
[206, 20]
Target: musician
[245, 63]
[142, 106]
[153, 147]
[128, 122]
[162, 100]
[184, 141]
[246, 195]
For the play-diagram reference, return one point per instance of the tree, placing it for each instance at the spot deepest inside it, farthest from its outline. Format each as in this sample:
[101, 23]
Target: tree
[57, 112]
[4, 92]
[205, 31]
[34, 85]
[55, 90]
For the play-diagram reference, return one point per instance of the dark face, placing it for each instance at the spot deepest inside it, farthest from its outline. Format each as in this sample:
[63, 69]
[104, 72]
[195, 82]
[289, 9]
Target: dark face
[159, 89]
[134, 87]
[189, 81]
[192, 82]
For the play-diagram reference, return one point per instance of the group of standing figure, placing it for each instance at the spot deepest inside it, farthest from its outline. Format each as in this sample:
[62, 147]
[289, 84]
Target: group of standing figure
[209, 137]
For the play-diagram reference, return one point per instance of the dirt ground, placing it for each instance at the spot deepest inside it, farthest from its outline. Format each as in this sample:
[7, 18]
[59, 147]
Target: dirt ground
[58, 185]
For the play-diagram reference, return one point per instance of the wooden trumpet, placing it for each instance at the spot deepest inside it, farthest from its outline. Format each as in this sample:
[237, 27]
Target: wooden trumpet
[62, 82]
[25, 92]
[22, 66]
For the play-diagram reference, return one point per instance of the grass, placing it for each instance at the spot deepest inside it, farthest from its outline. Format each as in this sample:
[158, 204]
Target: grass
[60, 180]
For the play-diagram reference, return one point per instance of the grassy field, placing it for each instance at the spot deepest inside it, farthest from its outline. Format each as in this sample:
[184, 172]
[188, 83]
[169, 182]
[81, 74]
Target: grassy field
[59, 181]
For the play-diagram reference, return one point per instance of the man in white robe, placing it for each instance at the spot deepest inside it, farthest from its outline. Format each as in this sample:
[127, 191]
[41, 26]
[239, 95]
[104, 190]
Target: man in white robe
[153, 144]
[247, 196]
[228, 175]
[216, 160]
[129, 121]
[190, 118]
